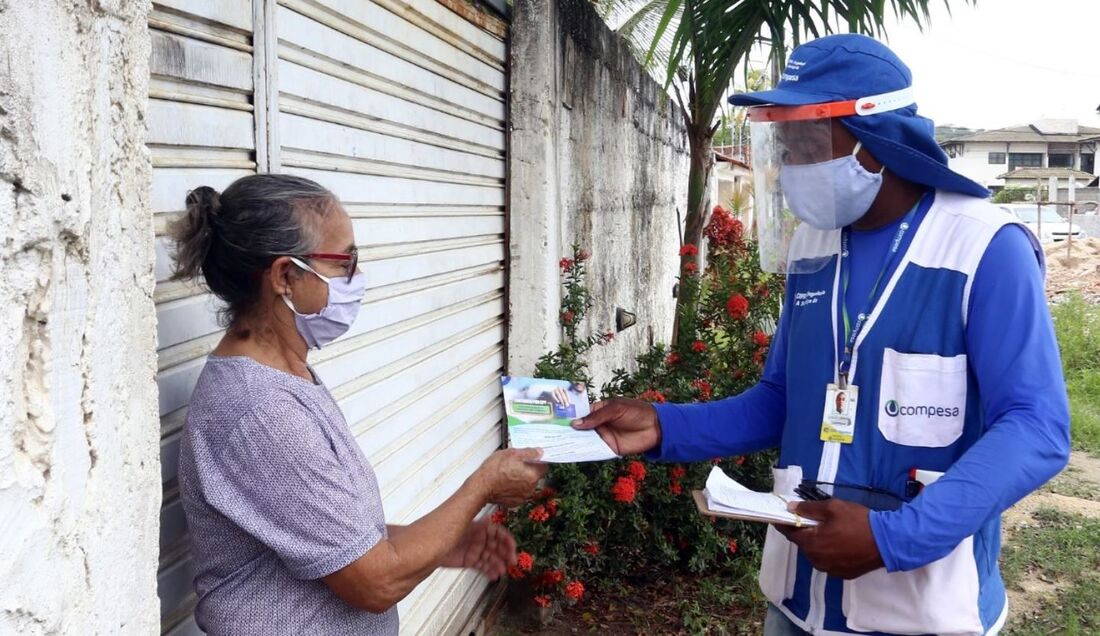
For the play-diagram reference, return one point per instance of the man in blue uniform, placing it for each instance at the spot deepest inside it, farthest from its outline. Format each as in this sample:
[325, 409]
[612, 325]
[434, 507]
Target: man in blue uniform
[914, 374]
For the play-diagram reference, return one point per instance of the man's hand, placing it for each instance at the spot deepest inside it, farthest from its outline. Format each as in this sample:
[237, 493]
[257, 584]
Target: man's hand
[629, 427]
[487, 547]
[842, 544]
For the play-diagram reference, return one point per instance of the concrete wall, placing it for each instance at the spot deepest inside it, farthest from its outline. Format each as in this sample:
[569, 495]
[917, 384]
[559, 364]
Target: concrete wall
[79, 482]
[597, 156]
[1089, 223]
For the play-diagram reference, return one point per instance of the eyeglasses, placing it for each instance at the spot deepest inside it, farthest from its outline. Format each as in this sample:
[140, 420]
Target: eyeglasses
[869, 496]
[351, 261]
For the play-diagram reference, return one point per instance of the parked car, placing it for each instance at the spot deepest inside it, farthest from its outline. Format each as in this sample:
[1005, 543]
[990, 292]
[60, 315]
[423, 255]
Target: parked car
[1055, 227]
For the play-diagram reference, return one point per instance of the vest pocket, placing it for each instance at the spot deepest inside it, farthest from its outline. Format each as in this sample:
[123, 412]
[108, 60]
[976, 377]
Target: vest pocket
[780, 557]
[922, 398]
[939, 598]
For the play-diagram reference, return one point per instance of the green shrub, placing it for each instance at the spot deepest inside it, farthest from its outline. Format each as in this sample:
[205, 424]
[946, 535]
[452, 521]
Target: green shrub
[1013, 195]
[604, 523]
[1077, 324]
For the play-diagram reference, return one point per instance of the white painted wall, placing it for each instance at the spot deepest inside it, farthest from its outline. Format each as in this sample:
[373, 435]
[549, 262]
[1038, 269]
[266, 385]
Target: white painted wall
[79, 486]
[973, 162]
[598, 157]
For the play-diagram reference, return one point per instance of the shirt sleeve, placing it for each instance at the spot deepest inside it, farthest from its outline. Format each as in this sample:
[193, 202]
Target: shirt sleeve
[745, 423]
[1014, 357]
[276, 476]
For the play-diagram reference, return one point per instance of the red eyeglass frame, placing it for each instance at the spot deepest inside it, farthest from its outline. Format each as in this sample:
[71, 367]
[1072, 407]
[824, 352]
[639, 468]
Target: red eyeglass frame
[329, 256]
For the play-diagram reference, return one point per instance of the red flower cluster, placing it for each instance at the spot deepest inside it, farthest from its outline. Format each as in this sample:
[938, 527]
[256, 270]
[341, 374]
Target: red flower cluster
[574, 590]
[550, 578]
[582, 255]
[689, 250]
[637, 470]
[761, 290]
[705, 390]
[732, 545]
[761, 339]
[690, 267]
[673, 359]
[653, 395]
[677, 472]
[592, 548]
[565, 264]
[539, 514]
[552, 506]
[723, 229]
[740, 459]
[499, 516]
[546, 493]
[624, 490]
[542, 600]
[567, 317]
[758, 357]
[675, 488]
[737, 306]
[698, 346]
[524, 563]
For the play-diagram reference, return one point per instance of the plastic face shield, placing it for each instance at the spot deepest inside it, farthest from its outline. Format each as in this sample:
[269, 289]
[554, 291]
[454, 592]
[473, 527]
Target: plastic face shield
[797, 136]
[776, 144]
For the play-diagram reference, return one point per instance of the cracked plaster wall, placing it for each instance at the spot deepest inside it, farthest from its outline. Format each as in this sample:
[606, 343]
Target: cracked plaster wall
[598, 156]
[79, 466]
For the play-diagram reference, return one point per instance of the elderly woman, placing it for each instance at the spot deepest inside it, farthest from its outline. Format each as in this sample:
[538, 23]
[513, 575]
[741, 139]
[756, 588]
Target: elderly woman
[285, 515]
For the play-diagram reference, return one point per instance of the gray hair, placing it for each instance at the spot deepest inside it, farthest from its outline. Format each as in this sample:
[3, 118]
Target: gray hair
[232, 237]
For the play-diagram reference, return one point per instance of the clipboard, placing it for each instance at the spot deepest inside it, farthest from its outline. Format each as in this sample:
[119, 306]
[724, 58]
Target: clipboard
[701, 504]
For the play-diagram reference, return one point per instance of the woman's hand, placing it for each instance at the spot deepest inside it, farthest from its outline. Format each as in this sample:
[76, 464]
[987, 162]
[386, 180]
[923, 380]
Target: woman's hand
[486, 547]
[509, 476]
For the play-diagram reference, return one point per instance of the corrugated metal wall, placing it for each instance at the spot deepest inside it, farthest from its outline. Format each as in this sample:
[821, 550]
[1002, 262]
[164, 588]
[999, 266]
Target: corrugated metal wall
[399, 107]
[201, 132]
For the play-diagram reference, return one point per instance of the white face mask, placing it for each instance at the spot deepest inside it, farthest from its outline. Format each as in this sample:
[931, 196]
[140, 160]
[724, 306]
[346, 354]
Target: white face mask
[344, 300]
[831, 194]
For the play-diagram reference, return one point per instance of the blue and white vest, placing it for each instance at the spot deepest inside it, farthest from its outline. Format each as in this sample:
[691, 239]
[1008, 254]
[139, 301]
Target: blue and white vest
[911, 355]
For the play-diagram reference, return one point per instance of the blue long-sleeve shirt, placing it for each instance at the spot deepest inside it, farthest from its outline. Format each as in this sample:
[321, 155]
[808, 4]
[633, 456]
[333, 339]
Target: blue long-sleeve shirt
[1014, 356]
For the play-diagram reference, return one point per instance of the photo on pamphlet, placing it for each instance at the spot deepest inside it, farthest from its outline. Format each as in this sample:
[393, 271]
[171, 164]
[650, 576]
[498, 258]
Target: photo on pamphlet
[540, 413]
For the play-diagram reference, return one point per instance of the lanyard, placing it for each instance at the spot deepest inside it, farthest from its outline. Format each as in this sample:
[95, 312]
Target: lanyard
[851, 332]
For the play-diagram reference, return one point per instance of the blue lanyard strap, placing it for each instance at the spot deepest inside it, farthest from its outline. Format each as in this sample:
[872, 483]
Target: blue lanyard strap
[851, 331]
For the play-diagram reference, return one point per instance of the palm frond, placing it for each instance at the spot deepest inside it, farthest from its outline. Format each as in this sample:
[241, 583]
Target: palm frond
[708, 39]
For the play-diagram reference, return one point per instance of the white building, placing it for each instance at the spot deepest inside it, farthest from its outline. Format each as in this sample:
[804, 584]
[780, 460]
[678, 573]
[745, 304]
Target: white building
[732, 185]
[991, 157]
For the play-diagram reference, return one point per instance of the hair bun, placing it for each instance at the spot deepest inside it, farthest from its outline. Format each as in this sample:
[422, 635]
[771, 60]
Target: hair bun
[194, 231]
[206, 199]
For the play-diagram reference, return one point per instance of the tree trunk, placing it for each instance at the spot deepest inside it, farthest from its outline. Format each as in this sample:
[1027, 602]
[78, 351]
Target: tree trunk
[698, 204]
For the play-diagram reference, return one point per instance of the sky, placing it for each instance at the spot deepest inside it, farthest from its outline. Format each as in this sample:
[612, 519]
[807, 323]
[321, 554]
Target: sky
[1004, 62]
[999, 63]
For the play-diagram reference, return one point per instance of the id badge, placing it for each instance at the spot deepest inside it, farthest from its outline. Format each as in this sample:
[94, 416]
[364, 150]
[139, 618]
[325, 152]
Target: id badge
[838, 422]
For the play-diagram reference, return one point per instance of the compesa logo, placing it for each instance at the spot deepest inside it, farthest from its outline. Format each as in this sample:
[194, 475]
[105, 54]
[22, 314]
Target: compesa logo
[894, 409]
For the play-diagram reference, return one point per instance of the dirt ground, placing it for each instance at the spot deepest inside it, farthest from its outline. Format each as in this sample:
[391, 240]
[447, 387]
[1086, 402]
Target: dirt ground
[1082, 479]
[1074, 267]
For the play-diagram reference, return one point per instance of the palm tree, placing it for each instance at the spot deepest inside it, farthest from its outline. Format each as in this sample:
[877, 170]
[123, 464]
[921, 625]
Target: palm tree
[700, 43]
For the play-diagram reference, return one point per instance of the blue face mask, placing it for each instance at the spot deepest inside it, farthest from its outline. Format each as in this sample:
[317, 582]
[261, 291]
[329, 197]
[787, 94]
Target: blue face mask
[344, 300]
[831, 194]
